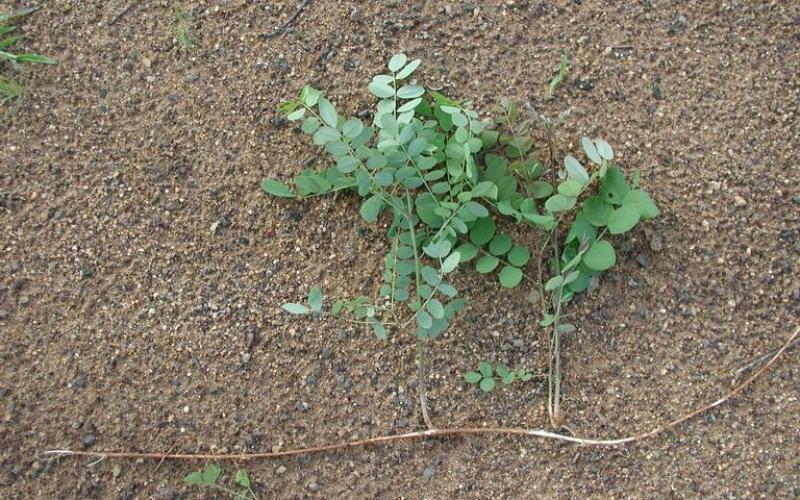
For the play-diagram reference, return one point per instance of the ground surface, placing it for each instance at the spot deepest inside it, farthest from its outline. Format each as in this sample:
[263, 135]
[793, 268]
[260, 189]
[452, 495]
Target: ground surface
[129, 324]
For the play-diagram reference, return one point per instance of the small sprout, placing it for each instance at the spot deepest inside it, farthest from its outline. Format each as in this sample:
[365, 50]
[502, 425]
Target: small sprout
[184, 35]
[487, 378]
[563, 67]
[209, 479]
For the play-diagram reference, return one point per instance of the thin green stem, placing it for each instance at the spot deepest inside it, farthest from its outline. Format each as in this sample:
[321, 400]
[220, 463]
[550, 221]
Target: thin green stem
[234, 493]
[423, 397]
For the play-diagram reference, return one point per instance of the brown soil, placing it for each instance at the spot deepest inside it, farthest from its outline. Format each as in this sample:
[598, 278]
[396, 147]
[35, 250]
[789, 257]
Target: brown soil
[129, 324]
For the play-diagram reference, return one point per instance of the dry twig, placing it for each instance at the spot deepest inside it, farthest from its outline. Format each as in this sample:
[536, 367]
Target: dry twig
[280, 29]
[440, 433]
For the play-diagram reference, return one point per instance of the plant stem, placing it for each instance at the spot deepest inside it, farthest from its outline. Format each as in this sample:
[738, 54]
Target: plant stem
[554, 373]
[234, 493]
[423, 394]
[423, 397]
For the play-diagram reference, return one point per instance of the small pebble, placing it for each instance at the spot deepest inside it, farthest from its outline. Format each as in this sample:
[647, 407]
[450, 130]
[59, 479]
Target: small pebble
[739, 201]
[428, 472]
[656, 243]
[88, 440]
[657, 92]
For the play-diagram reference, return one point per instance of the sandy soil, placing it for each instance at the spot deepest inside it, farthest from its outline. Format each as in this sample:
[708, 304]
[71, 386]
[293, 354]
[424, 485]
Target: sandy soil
[128, 323]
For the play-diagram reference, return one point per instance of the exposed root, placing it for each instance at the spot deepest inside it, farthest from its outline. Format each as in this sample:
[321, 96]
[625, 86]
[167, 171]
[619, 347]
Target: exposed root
[440, 433]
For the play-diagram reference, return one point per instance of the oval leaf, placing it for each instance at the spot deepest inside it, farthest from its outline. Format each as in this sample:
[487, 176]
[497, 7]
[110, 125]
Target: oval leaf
[371, 208]
[276, 188]
[600, 256]
[500, 244]
[472, 377]
[408, 69]
[510, 276]
[604, 149]
[487, 264]
[623, 219]
[553, 283]
[397, 61]
[294, 308]
[483, 231]
[519, 256]
[451, 262]
[575, 169]
[596, 211]
[315, 299]
[467, 252]
[591, 150]
[327, 113]
[642, 202]
[487, 385]
[380, 90]
[410, 91]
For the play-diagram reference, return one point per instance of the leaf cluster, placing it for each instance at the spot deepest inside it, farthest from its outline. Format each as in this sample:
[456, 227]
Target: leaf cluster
[10, 88]
[487, 378]
[446, 183]
[210, 475]
[184, 31]
[9, 37]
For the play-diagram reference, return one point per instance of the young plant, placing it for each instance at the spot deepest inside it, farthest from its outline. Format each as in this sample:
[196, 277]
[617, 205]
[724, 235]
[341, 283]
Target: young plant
[487, 378]
[563, 68]
[184, 35]
[9, 37]
[211, 474]
[444, 181]
[10, 88]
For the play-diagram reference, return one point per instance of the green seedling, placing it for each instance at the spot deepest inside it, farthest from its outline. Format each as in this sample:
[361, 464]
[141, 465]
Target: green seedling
[487, 378]
[211, 474]
[447, 184]
[9, 37]
[563, 68]
[10, 88]
[184, 31]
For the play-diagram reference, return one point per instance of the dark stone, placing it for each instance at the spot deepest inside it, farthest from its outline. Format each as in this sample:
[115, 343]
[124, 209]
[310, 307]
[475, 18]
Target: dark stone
[657, 92]
[88, 440]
